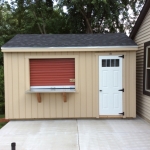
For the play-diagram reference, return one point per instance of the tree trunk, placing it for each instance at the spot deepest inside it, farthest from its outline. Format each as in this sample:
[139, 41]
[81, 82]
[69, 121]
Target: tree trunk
[88, 24]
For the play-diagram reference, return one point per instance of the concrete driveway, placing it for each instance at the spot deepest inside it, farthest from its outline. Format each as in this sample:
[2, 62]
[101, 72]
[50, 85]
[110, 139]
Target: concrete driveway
[80, 134]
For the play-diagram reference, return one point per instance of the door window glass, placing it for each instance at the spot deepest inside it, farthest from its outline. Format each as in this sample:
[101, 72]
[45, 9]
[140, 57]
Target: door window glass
[117, 62]
[110, 62]
[103, 63]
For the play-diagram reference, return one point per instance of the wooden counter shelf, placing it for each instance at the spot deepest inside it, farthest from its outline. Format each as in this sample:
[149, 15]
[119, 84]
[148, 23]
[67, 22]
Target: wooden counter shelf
[39, 91]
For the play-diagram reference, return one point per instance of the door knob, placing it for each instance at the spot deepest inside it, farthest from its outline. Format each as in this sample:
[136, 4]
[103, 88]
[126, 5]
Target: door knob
[100, 90]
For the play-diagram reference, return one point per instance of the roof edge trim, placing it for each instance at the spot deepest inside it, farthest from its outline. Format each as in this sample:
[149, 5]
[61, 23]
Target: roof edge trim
[68, 47]
[64, 49]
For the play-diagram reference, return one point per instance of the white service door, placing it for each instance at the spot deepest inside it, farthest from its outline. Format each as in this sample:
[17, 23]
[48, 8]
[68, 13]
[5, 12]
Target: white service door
[110, 82]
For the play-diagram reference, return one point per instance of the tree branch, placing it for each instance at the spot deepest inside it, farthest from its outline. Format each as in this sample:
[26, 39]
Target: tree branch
[38, 23]
[40, 28]
[87, 21]
[44, 28]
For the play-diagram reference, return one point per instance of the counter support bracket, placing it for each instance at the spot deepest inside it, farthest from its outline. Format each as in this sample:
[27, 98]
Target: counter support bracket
[38, 95]
[64, 97]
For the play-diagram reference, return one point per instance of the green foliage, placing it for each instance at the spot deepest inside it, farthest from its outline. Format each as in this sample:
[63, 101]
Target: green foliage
[101, 16]
[2, 107]
[7, 25]
[2, 116]
[1, 58]
[2, 124]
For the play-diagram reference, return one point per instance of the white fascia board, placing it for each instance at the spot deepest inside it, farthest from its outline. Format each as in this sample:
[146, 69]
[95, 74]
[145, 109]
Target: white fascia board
[63, 49]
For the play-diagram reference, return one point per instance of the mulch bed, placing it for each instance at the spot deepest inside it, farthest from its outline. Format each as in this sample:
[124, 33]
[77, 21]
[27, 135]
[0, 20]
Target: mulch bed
[4, 120]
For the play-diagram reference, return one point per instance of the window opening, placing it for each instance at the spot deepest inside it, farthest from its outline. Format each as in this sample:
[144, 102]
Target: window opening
[146, 70]
[57, 73]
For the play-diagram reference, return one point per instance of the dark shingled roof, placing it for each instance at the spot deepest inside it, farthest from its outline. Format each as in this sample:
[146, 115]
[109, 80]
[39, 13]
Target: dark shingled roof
[69, 40]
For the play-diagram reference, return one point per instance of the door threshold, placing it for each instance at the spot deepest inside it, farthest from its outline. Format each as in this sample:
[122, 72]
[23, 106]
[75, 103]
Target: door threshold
[111, 116]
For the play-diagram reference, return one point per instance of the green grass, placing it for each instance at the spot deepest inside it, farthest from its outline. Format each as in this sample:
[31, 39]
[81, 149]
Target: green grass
[2, 116]
[2, 124]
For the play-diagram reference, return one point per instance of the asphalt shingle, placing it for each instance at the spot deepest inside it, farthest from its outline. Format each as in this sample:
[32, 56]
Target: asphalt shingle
[69, 40]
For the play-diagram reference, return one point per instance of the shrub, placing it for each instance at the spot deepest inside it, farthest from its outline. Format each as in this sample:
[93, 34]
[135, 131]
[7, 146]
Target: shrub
[2, 105]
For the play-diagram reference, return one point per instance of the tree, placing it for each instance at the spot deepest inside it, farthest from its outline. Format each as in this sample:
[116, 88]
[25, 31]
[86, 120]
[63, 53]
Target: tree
[7, 25]
[39, 17]
[100, 16]
[7, 31]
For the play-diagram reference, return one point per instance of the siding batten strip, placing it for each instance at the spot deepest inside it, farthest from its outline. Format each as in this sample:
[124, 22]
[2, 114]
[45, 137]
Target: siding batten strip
[52, 98]
[94, 85]
[66, 104]
[15, 85]
[28, 96]
[40, 105]
[46, 101]
[12, 85]
[70, 100]
[83, 85]
[59, 101]
[77, 94]
[21, 65]
[34, 103]
[18, 87]
[89, 85]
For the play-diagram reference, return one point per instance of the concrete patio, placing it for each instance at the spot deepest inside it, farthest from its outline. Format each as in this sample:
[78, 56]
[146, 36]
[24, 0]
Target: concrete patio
[80, 134]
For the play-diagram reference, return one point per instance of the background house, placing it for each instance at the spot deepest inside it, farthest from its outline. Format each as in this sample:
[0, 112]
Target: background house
[70, 76]
[141, 35]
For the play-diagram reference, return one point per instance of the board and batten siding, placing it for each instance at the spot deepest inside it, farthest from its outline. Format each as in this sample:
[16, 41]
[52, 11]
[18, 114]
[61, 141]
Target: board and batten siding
[81, 104]
[142, 36]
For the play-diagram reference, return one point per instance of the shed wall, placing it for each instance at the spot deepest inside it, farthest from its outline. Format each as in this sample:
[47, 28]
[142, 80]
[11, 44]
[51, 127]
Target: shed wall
[82, 104]
[142, 36]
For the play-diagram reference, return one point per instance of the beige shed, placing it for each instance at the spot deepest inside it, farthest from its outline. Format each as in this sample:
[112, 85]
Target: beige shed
[70, 76]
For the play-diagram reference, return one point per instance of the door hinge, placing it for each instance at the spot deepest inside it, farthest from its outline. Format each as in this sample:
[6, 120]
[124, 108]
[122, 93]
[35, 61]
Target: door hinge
[122, 113]
[122, 56]
[121, 90]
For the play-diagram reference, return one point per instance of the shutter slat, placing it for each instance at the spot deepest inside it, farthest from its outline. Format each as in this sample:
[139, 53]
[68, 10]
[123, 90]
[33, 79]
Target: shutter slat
[52, 72]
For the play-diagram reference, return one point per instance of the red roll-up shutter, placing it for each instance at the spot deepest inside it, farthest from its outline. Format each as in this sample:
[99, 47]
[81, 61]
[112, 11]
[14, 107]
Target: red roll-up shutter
[52, 72]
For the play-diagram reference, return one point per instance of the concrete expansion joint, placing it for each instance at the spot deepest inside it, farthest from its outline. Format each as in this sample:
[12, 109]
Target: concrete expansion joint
[78, 133]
